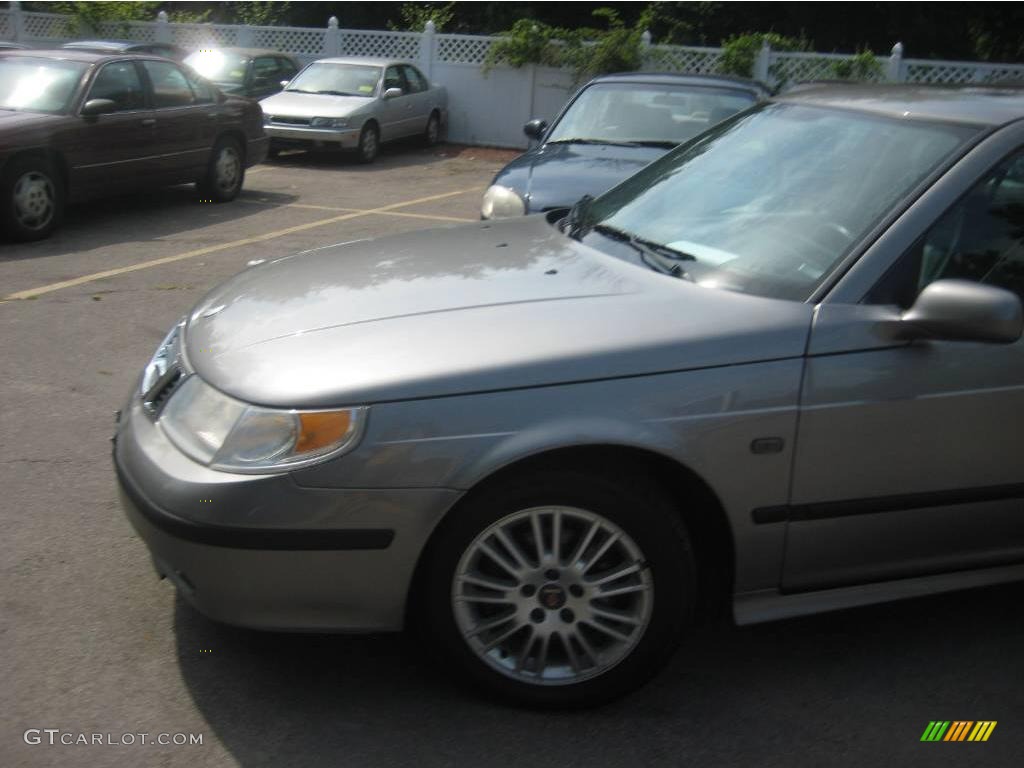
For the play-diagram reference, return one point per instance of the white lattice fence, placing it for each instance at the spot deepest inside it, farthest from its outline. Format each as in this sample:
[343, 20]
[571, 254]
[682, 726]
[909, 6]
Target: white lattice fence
[45, 26]
[799, 67]
[297, 40]
[462, 49]
[142, 31]
[398, 45]
[190, 36]
[957, 72]
[6, 25]
[675, 58]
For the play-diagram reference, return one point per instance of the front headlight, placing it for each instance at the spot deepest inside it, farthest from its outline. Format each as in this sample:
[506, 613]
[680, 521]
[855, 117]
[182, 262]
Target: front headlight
[501, 203]
[162, 359]
[329, 122]
[232, 436]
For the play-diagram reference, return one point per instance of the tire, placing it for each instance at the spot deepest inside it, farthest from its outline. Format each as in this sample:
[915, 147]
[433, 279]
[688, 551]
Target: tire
[432, 133]
[585, 665]
[33, 199]
[369, 143]
[225, 172]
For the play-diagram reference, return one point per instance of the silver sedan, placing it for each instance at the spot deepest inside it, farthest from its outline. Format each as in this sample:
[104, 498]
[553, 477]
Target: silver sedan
[355, 104]
[780, 369]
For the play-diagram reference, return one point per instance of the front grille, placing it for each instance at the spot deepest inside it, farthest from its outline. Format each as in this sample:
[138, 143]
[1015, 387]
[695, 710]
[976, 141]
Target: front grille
[154, 400]
[282, 120]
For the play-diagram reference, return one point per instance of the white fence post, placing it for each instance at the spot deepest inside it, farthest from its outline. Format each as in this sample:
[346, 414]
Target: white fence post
[162, 33]
[894, 72]
[763, 62]
[17, 21]
[332, 39]
[645, 48]
[427, 41]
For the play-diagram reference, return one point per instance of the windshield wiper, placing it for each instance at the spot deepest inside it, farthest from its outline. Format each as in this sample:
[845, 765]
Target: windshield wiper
[663, 258]
[335, 93]
[608, 142]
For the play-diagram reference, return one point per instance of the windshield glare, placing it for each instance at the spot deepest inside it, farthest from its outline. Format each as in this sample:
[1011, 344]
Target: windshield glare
[770, 203]
[38, 85]
[219, 66]
[639, 112]
[350, 79]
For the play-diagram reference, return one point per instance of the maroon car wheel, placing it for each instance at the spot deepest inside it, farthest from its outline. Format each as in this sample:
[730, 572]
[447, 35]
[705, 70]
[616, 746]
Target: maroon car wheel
[33, 199]
[226, 171]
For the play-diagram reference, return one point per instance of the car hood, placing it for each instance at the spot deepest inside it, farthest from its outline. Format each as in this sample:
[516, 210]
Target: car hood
[11, 119]
[468, 309]
[312, 104]
[557, 175]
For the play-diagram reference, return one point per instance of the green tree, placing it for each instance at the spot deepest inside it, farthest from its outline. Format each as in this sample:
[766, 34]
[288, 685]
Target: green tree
[414, 16]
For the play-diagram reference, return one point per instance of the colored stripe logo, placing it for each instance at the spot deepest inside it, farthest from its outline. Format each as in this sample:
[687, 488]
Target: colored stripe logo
[958, 730]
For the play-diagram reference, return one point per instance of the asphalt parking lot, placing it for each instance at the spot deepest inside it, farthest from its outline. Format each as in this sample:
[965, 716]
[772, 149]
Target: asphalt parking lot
[92, 642]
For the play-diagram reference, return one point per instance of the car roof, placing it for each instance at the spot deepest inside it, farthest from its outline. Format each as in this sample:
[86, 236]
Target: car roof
[990, 105]
[113, 45]
[369, 61]
[243, 51]
[673, 78]
[68, 54]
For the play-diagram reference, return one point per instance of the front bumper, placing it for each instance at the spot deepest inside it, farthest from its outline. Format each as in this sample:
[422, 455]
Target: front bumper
[267, 553]
[257, 150]
[347, 138]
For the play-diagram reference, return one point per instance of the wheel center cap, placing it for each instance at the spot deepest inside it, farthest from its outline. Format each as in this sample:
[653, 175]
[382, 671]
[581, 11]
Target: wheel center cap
[551, 596]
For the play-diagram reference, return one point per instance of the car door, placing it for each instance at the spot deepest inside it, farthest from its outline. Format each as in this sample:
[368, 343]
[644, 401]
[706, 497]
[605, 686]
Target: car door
[185, 122]
[420, 100]
[395, 111]
[113, 150]
[910, 456]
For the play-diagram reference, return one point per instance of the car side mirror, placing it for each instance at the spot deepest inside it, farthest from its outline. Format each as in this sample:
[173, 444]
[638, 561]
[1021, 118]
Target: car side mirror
[392, 93]
[284, 83]
[96, 107]
[534, 129]
[961, 310]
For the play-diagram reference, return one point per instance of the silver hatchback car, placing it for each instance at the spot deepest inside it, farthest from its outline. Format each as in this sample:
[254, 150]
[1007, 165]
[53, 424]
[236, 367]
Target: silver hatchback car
[779, 369]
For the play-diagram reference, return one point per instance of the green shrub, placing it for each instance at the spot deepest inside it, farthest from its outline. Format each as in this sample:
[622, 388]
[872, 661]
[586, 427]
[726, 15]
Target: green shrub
[740, 51]
[863, 66]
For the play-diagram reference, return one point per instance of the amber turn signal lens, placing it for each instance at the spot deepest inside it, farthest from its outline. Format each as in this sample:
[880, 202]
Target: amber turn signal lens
[321, 430]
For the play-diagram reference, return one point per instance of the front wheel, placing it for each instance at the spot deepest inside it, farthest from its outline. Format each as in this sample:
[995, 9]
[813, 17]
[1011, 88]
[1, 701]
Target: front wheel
[33, 199]
[225, 172]
[562, 590]
[369, 143]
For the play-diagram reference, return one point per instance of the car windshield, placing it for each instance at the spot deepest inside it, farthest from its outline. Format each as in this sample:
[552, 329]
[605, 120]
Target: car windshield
[770, 203]
[219, 66]
[38, 85]
[337, 79]
[646, 113]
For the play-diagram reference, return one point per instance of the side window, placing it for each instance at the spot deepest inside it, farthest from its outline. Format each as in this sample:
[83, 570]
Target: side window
[981, 238]
[393, 79]
[201, 90]
[264, 70]
[120, 83]
[170, 87]
[417, 83]
[286, 69]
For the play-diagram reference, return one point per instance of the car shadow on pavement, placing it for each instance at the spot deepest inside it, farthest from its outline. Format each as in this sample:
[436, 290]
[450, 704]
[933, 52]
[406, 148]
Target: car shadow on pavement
[140, 217]
[836, 689]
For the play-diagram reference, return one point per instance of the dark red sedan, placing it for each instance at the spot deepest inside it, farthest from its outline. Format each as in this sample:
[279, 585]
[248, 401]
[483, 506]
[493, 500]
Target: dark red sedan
[76, 125]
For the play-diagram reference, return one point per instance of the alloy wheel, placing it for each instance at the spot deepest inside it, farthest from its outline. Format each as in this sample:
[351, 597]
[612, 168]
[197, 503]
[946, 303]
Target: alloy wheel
[227, 169]
[552, 595]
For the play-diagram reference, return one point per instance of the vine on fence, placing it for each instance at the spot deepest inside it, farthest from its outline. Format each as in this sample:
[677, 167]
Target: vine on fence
[863, 66]
[587, 51]
[740, 51]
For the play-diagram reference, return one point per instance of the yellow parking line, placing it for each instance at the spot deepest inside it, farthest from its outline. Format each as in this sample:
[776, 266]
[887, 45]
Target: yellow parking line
[32, 292]
[427, 216]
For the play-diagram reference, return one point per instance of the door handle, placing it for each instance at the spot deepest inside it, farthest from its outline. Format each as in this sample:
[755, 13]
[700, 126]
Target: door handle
[147, 121]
